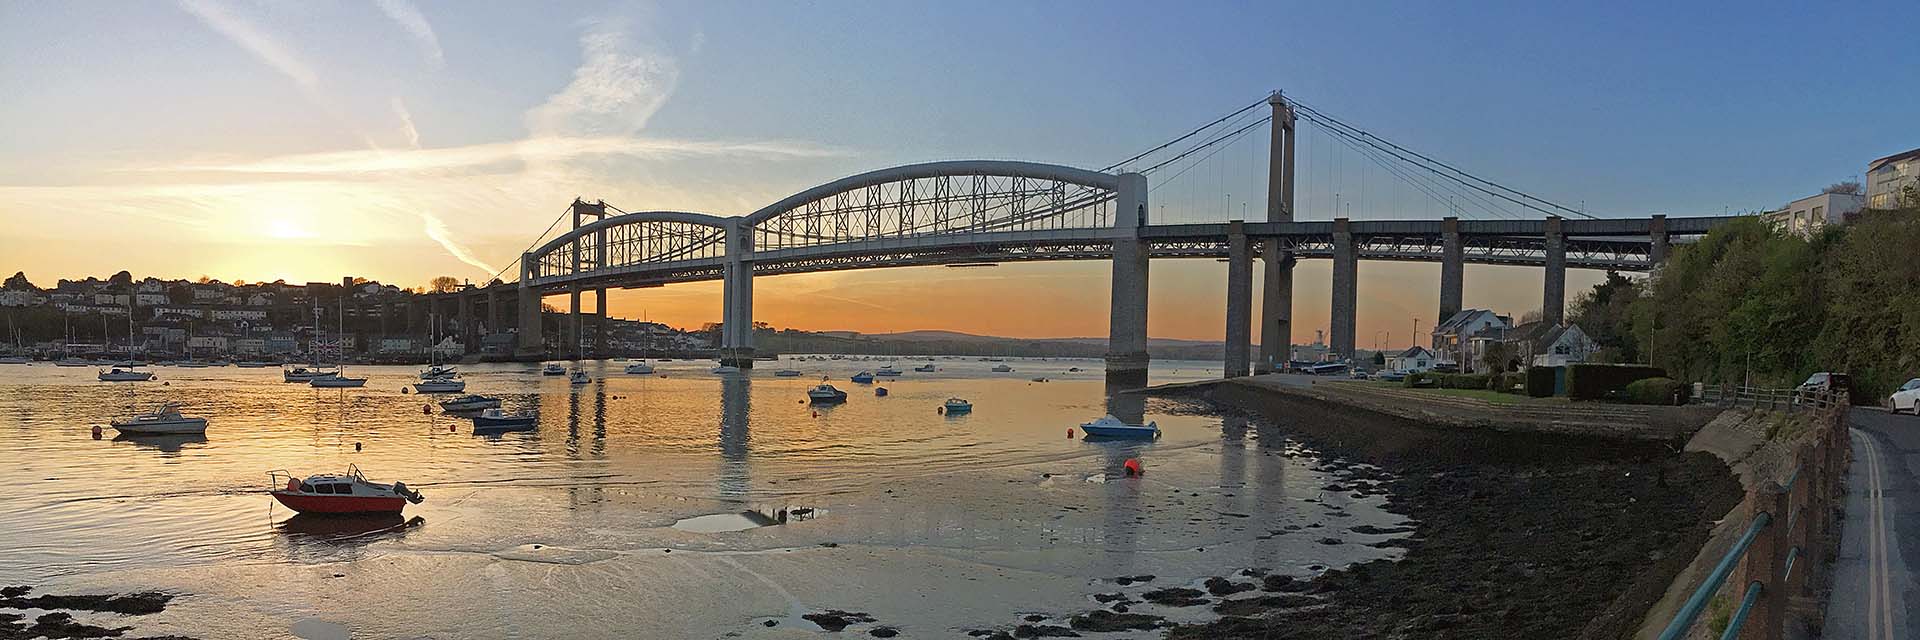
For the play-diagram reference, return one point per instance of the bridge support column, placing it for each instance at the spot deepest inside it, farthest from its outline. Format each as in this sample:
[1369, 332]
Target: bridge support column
[528, 342]
[493, 310]
[573, 322]
[600, 321]
[1657, 250]
[1276, 303]
[1127, 357]
[467, 317]
[1452, 270]
[1554, 292]
[1346, 281]
[1239, 299]
[736, 323]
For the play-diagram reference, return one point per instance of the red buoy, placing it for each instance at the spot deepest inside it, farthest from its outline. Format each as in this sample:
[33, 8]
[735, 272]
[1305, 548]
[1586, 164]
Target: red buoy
[96, 432]
[426, 409]
[1133, 468]
[1069, 433]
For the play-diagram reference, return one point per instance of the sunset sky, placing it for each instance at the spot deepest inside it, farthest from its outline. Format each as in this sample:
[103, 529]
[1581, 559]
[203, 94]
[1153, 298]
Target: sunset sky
[401, 140]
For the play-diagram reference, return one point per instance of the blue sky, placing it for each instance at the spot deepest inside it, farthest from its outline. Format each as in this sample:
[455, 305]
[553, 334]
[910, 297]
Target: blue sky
[403, 139]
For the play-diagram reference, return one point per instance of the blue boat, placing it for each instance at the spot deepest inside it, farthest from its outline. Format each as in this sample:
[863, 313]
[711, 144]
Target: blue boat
[826, 394]
[863, 377]
[497, 420]
[1111, 427]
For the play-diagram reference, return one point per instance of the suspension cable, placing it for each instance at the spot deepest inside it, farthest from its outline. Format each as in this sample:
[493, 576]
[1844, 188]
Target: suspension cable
[536, 242]
[1189, 134]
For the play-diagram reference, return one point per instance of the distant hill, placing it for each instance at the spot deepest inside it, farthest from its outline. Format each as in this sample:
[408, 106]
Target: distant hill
[936, 335]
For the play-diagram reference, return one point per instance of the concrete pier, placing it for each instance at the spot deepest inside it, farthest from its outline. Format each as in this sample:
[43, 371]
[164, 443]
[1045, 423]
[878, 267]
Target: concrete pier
[1554, 292]
[600, 321]
[1239, 299]
[1127, 357]
[1276, 302]
[528, 342]
[1657, 248]
[1346, 281]
[736, 321]
[1452, 269]
[572, 345]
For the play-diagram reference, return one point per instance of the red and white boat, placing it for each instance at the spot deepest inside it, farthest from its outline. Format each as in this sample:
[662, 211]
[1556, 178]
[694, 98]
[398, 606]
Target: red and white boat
[348, 492]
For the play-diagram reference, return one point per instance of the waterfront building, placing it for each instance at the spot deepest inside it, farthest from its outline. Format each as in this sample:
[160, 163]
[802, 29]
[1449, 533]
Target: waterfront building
[1888, 177]
[1416, 358]
[1453, 338]
[1807, 216]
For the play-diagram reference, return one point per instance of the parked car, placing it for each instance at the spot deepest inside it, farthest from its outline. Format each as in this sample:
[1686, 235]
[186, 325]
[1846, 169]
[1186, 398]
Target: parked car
[1822, 383]
[1906, 399]
[1388, 375]
[1357, 374]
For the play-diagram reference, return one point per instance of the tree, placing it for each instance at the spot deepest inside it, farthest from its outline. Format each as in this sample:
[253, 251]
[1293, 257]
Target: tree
[179, 294]
[18, 282]
[1496, 357]
[1849, 187]
[203, 279]
[1604, 314]
[1379, 358]
[443, 284]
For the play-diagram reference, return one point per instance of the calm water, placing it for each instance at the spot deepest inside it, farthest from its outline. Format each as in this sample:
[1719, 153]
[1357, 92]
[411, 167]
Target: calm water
[931, 523]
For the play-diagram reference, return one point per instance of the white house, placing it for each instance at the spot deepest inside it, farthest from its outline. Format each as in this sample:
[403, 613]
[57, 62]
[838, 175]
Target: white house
[239, 314]
[259, 300]
[1452, 338]
[1415, 359]
[1543, 344]
[1887, 177]
[149, 299]
[250, 346]
[1808, 215]
[191, 312]
[209, 343]
[11, 298]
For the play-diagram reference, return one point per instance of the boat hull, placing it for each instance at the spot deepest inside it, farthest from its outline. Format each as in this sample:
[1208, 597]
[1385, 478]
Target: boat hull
[1135, 433]
[337, 383]
[159, 428]
[440, 387]
[305, 503]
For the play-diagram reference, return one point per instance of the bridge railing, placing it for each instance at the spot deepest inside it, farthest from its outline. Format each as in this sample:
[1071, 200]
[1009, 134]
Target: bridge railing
[1788, 524]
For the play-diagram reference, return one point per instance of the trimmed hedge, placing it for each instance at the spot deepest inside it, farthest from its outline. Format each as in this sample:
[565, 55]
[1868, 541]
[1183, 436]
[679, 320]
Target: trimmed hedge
[1598, 381]
[1657, 391]
[1506, 382]
[1417, 379]
[1540, 381]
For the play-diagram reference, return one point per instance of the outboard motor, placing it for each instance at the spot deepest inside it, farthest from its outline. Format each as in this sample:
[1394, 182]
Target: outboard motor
[411, 495]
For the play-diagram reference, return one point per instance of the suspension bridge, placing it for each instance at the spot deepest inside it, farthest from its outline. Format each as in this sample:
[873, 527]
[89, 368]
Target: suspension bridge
[995, 211]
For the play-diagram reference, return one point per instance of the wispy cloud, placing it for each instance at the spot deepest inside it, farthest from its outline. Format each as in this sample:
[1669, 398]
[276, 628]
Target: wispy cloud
[437, 230]
[500, 157]
[242, 32]
[617, 88]
[410, 19]
[406, 122]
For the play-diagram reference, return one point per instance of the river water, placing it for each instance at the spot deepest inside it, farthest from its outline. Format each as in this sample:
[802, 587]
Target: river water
[634, 509]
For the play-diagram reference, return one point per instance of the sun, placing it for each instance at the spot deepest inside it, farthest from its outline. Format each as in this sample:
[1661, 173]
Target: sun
[286, 227]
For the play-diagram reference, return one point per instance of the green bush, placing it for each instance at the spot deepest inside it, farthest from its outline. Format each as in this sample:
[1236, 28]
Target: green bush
[1507, 382]
[1462, 380]
[1657, 391]
[1540, 381]
[1418, 379]
[1598, 381]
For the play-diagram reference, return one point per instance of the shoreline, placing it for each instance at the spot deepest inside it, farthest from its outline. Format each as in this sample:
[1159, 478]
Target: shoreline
[1515, 534]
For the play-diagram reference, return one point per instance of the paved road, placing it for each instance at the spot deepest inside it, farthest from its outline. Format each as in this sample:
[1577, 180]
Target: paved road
[1874, 594]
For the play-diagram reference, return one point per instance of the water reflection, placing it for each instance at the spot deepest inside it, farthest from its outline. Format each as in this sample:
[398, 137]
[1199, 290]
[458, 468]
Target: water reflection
[166, 444]
[316, 538]
[735, 406]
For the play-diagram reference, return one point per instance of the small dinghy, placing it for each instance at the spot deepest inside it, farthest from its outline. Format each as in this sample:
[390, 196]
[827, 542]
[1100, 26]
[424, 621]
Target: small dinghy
[724, 369]
[825, 394]
[787, 373]
[863, 377]
[578, 376]
[887, 372]
[925, 368]
[469, 403]
[1111, 427]
[348, 492]
[496, 420]
[1002, 369]
[640, 369]
[553, 369]
[956, 405]
[163, 421]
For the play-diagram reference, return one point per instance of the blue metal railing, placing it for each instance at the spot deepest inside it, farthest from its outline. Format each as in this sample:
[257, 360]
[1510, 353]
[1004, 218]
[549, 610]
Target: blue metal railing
[1739, 618]
[1698, 601]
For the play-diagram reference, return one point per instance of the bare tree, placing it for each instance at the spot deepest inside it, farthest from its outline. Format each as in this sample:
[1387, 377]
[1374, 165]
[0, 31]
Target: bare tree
[1849, 187]
[443, 284]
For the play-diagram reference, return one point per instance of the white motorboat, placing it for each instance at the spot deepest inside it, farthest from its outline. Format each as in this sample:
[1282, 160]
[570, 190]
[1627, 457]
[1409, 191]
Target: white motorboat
[725, 368]
[1001, 368]
[578, 376]
[436, 371]
[441, 385]
[553, 369]
[337, 382]
[163, 421]
[14, 360]
[787, 373]
[956, 405]
[640, 368]
[306, 374]
[1111, 427]
[118, 374]
[925, 368]
[887, 371]
[826, 393]
[496, 420]
[469, 403]
[348, 493]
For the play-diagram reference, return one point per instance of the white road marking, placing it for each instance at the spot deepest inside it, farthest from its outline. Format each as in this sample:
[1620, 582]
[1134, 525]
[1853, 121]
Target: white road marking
[1879, 589]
